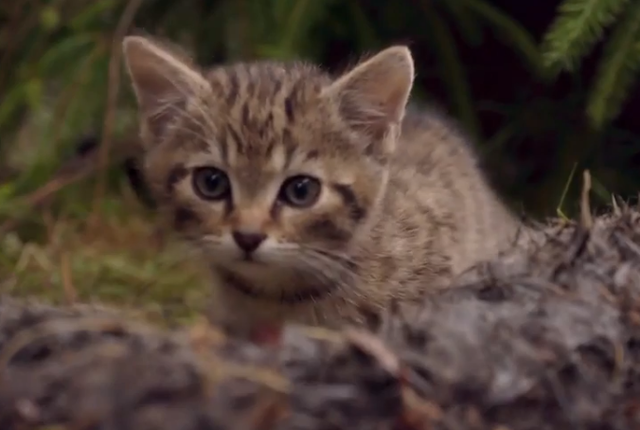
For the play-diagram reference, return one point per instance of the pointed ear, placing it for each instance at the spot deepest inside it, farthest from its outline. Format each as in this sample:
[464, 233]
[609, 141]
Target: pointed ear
[162, 82]
[373, 95]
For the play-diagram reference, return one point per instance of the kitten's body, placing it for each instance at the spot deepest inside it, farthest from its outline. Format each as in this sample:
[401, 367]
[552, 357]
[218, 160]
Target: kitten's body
[387, 224]
[436, 219]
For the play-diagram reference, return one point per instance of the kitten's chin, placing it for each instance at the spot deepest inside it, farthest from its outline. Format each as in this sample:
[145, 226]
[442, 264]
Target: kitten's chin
[261, 274]
[269, 283]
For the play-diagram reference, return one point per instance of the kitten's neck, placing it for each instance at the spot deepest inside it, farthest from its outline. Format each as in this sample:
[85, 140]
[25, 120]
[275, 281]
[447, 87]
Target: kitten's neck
[279, 298]
[266, 284]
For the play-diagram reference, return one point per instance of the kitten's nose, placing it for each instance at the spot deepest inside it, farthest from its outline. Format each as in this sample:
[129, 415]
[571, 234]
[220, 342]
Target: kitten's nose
[248, 242]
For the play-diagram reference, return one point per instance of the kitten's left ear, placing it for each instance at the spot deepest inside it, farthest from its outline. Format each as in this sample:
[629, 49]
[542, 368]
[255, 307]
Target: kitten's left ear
[373, 95]
[162, 81]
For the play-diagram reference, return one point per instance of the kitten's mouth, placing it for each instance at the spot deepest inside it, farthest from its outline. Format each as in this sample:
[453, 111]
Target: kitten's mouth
[250, 259]
[290, 296]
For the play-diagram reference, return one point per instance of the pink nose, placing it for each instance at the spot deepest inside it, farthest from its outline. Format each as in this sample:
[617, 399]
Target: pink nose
[248, 242]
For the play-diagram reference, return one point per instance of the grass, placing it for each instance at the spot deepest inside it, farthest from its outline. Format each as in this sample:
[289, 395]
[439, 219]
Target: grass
[119, 258]
[87, 240]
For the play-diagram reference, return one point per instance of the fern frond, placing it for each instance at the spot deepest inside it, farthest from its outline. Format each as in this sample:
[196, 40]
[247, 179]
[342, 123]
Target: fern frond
[577, 27]
[618, 69]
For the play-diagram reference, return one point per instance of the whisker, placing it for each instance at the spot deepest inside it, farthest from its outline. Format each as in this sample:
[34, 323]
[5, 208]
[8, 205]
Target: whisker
[342, 257]
[324, 268]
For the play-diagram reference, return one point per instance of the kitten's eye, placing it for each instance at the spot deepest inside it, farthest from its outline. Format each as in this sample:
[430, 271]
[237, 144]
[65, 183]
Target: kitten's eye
[300, 191]
[211, 183]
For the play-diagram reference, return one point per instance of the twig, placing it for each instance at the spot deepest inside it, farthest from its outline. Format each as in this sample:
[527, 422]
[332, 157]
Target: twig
[70, 293]
[614, 203]
[585, 207]
[39, 196]
[559, 211]
[112, 96]
[71, 90]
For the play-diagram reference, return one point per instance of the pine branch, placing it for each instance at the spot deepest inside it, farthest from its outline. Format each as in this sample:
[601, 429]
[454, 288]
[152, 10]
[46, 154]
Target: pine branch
[618, 69]
[577, 27]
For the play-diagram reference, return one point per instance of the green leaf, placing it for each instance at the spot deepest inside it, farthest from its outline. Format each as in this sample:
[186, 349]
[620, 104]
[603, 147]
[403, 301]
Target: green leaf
[49, 18]
[12, 101]
[33, 92]
[272, 52]
[64, 54]
[6, 192]
[600, 190]
[303, 15]
[364, 32]
[91, 13]
[466, 24]
[452, 71]
[507, 133]
[618, 69]
[576, 29]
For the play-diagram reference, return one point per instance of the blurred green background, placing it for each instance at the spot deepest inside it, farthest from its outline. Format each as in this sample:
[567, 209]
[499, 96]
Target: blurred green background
[546, 88]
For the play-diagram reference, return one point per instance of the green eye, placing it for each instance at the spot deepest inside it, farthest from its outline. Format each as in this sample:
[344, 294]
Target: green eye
[300, 191]
[211, 184]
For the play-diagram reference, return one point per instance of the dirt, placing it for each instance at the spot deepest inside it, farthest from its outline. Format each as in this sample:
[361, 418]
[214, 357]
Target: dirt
[545, 337]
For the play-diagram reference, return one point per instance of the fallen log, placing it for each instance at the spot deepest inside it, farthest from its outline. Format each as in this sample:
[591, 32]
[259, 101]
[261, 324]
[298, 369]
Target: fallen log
[545, 337]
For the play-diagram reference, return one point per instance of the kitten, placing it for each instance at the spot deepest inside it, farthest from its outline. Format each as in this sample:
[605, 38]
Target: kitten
[311, 197]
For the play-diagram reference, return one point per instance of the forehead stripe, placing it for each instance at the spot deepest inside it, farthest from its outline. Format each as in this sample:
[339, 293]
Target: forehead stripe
[349, 198]
[176, 174]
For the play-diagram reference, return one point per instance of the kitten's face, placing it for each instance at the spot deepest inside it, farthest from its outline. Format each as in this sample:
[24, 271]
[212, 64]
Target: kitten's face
[266, 166]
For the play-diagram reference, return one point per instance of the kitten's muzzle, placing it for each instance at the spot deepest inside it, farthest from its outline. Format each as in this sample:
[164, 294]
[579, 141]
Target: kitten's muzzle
[248, 241]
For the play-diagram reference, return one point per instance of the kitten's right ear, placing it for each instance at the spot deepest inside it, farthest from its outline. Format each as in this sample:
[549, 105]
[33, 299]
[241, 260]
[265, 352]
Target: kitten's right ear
[162, 82]
[373, 95]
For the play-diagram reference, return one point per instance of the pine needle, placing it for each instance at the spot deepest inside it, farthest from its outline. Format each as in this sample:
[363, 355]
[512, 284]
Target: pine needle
[618, 69]
[579, 25]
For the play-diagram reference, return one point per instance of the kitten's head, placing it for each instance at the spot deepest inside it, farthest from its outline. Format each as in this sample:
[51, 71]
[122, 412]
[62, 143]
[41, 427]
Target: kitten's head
[267, 163]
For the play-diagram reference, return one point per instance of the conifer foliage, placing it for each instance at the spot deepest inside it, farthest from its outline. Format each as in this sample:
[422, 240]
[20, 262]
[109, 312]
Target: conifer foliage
[579, 26]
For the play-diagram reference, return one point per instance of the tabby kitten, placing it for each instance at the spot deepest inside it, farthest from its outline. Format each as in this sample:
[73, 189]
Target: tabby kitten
[311, 197]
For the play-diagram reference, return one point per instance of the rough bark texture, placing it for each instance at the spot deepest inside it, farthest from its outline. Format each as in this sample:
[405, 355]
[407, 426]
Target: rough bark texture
[546, 337]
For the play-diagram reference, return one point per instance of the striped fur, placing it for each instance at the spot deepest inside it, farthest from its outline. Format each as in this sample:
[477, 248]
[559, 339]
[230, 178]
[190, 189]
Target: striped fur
[403, 205]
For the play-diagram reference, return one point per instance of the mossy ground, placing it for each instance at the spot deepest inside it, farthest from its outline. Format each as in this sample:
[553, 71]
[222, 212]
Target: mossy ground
[117, 257]
[79, 242]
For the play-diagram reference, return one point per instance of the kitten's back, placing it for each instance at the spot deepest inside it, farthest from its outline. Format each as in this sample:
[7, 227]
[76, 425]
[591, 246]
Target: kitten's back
[435, 155]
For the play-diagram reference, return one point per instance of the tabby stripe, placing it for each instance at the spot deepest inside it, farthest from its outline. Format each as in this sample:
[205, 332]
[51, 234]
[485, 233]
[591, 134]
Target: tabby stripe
[234, 88]
[329, 230]
[350, 199]
[223, 144]
[183, 216]
[237, 139]
[246, 114]
[290, 147]
[176, 174]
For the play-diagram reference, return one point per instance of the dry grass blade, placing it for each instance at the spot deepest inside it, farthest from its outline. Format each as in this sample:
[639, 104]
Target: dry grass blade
[73, 172]
[614, 205]
[113, 87]
[71, 295]
[585, 207]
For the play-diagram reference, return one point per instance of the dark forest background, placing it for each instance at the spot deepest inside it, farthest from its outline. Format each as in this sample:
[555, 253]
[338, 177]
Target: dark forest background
[546, 88]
